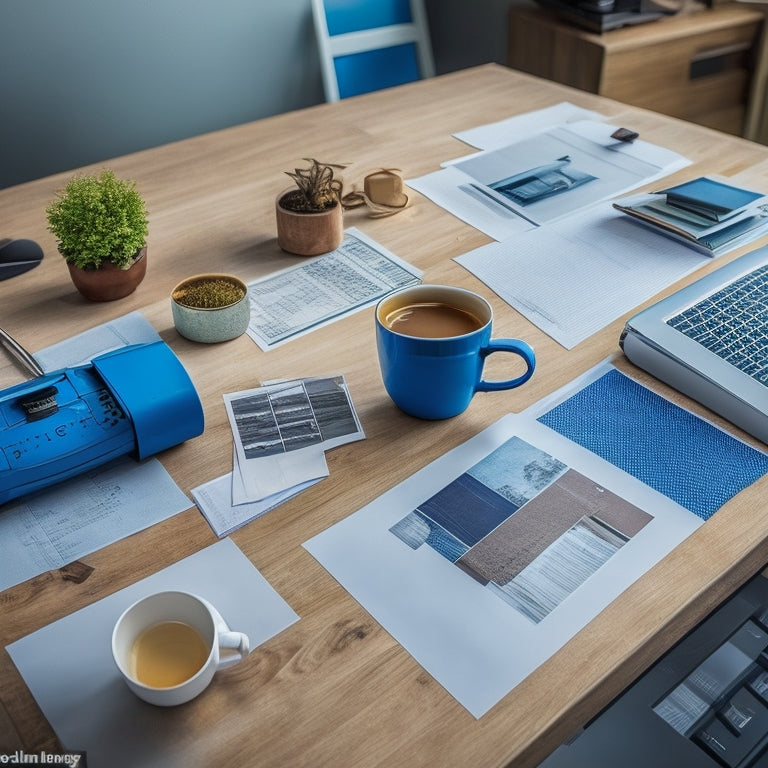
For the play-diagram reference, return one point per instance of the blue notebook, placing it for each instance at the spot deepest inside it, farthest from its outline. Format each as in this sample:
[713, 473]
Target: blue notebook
[709, 198]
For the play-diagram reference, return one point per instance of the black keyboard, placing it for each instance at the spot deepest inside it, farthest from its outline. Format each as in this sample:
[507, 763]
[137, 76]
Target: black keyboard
[722, 705]
[702, 705]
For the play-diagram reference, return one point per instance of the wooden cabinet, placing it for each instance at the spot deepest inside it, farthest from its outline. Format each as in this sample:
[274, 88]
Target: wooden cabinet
[696, 65]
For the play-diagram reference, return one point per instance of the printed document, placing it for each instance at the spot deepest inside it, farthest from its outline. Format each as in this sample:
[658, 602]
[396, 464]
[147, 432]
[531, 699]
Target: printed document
[214, 499]
[542, 177]
[48, 529]
[477, 599]
[281, 432]
[297, 300]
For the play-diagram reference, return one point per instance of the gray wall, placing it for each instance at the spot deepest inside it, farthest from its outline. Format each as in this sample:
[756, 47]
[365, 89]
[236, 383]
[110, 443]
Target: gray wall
[466, 33]
[82, 81]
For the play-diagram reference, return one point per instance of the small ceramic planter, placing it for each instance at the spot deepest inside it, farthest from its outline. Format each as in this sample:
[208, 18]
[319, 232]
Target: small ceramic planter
[108, 282]
[308, 234]
[210, 323]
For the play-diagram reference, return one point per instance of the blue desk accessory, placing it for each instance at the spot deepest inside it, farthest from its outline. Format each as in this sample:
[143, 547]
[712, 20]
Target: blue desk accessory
[688, 459]
[135, 400]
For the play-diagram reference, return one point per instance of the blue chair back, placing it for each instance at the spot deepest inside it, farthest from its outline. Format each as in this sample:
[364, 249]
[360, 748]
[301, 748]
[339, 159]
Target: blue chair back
[354, 16]
[367, 45]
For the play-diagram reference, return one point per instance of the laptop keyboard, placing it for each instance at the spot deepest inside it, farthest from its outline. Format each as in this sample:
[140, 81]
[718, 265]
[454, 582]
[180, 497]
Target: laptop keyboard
[733, 323]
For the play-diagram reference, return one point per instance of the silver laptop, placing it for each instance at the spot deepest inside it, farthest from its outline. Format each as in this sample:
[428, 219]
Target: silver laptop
[710, 341]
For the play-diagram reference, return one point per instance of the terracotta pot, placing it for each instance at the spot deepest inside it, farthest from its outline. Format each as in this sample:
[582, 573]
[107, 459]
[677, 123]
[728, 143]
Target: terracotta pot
[211, 324]
[109, 282]
[309, 234]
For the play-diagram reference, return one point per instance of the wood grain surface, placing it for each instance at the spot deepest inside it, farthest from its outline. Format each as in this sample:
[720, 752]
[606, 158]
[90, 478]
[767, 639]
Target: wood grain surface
[335, 689]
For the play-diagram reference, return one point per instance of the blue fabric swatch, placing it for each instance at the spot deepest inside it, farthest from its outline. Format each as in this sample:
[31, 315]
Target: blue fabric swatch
[668, 448]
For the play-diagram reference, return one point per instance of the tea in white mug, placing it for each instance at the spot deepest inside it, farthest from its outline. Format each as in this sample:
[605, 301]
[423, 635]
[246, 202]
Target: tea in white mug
[167, 654]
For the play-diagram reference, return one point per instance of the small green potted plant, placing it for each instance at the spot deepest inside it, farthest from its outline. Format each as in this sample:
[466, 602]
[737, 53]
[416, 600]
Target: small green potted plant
[211, 307]
[310, 214]
[101, 224]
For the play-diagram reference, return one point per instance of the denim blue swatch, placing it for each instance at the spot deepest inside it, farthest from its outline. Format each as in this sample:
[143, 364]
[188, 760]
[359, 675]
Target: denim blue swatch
[668, 448]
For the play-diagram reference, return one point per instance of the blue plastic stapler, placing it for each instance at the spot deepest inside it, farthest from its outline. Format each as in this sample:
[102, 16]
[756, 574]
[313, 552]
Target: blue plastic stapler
[135, 400]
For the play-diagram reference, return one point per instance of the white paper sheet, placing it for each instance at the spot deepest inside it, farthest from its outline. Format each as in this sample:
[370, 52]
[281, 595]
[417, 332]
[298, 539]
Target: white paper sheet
[574, 276]
[69, 669]
[503, 132]
[477, 645]
[257, 480]
[215, 501]
[132, 328]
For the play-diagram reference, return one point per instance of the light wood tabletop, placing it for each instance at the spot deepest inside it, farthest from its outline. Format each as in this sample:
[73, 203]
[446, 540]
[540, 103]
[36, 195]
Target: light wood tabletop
[335, 689]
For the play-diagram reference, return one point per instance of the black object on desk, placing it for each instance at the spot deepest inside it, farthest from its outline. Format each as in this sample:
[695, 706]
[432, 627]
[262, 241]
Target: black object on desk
[702, 705]
[18, 256]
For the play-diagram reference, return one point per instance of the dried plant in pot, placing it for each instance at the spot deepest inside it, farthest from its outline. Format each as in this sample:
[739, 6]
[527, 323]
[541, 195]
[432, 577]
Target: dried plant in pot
[310, 218]
[211, 307]
[101, 226]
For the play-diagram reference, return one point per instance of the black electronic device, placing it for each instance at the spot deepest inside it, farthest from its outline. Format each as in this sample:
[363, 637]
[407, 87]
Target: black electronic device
[702, 705]
[18, 256]
[603, 15]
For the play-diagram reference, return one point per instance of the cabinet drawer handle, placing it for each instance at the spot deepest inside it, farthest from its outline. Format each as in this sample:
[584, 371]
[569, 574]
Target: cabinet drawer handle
[722, 59]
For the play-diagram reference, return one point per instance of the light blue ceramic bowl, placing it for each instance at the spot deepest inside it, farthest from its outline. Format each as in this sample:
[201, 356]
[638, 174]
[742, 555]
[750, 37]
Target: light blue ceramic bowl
[210, 325]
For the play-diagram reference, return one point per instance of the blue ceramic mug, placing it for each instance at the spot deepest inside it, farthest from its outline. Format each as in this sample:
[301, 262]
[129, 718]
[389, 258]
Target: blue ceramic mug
[432, 342]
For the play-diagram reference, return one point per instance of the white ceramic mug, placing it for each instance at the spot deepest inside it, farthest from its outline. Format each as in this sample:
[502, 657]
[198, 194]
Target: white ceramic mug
[224, 646]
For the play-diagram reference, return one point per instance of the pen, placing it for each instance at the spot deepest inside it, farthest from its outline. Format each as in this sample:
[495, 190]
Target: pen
[20, 354]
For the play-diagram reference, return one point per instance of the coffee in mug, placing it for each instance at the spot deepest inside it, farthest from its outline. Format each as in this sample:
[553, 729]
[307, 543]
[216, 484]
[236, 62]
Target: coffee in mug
[432, 341]
[433, 320]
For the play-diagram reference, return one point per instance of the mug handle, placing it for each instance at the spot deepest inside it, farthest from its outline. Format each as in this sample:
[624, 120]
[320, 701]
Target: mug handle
[226, 638]
[236, 641]
[516, 346]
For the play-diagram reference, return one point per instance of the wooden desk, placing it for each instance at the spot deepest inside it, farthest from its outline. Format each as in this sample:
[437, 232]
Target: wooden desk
[335, 689]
